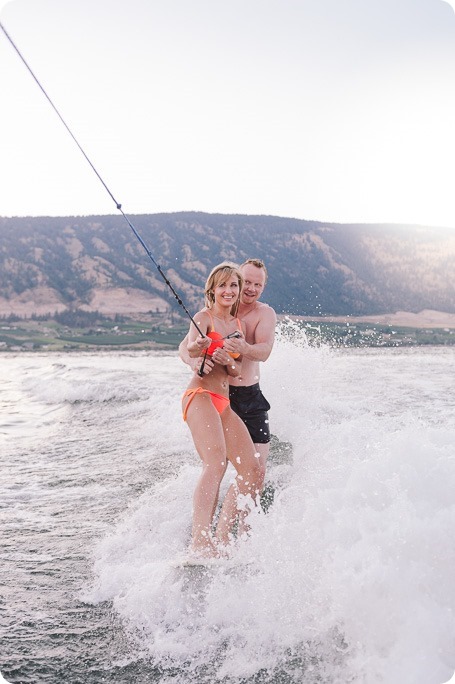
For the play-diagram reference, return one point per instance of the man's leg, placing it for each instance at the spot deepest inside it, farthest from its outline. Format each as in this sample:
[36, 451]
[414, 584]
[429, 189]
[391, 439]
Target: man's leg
[263, 451]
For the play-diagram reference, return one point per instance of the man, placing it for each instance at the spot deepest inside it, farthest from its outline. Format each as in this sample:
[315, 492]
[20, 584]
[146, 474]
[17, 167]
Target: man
[245, 395]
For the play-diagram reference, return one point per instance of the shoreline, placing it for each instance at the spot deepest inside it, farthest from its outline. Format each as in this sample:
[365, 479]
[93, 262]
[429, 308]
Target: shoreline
[400, 329]
[428, 318]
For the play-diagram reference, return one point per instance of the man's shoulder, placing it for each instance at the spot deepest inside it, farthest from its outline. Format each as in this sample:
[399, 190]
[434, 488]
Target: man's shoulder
[261, 312]
[264, 305]
[265, 310]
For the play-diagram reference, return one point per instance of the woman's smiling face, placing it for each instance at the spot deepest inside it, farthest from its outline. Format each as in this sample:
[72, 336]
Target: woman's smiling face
[227, 290]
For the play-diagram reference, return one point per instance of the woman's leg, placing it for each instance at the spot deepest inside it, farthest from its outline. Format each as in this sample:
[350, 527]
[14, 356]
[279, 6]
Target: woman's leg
[249, 480]
[207, 432]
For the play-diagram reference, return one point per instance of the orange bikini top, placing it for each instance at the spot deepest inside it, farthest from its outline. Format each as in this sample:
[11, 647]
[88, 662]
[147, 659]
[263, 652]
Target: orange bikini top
[217, 339]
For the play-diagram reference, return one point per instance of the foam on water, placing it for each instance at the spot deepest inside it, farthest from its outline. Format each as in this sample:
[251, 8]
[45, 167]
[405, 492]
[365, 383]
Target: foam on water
[75, 380]
[350, 573]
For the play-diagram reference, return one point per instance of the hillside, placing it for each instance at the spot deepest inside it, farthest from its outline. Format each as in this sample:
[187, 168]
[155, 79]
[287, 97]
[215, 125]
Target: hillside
[95, 263]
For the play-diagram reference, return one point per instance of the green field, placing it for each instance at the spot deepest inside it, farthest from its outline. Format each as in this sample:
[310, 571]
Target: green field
[47, 335]
[30, 335]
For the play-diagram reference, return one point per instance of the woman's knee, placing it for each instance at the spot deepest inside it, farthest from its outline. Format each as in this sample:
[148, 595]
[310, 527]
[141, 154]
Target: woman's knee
[215, 466]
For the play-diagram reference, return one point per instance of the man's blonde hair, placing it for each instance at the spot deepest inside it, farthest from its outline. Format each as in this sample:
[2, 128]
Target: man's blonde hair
[219, 273]
[256, 262]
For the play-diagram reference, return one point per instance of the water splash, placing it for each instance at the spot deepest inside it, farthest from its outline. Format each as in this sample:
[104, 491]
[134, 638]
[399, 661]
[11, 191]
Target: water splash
[347, 578]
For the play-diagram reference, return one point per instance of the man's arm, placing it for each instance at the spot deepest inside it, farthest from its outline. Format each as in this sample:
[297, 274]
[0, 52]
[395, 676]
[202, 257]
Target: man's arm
[233, 366]
[264, 336]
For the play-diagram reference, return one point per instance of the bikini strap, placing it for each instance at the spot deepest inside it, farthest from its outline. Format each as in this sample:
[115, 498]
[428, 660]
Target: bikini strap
[191, 393]
[211, 320]
[213, 323]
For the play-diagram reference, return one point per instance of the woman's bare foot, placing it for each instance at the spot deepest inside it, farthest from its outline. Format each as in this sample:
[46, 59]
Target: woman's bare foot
[225, 550]
[206, 549]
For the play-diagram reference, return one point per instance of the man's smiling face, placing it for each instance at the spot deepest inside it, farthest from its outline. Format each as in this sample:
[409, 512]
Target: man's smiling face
[253, 285]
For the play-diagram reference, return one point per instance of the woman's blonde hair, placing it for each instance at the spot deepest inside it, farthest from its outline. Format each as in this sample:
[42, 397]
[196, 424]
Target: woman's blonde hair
[219, 274]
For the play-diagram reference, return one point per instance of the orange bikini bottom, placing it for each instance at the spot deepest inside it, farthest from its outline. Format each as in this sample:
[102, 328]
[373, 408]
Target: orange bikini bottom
[219, 402]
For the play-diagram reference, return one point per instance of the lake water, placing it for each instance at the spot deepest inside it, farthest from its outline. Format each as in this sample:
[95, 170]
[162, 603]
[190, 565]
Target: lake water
[349, 576]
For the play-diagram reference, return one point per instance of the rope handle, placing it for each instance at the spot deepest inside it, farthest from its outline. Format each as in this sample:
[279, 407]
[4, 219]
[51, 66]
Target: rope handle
[231, 335]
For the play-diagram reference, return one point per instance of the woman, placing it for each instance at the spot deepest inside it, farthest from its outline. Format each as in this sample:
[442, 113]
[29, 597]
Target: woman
[218, 433]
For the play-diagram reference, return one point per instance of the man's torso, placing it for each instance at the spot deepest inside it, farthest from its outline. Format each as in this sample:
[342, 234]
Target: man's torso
[250, 368]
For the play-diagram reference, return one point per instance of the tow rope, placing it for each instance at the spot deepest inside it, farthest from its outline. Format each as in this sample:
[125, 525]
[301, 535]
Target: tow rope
[117, 204]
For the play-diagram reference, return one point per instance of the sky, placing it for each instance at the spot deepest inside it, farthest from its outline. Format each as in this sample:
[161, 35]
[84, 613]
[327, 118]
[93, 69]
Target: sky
[328, 110]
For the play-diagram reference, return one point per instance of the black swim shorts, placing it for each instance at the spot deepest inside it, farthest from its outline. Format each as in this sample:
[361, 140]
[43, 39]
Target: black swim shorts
[250, 404]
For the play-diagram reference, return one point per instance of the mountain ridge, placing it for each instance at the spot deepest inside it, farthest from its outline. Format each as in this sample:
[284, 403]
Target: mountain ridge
[49, 264]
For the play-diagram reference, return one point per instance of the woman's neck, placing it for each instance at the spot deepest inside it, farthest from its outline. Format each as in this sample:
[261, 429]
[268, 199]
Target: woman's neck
[221, 313]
